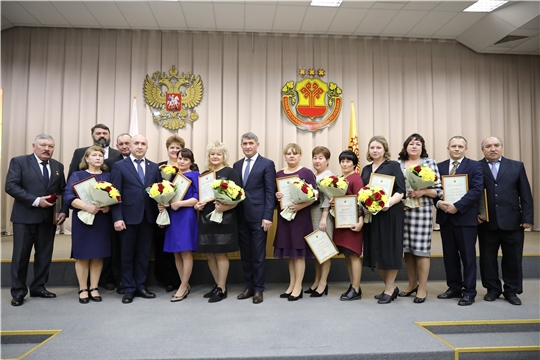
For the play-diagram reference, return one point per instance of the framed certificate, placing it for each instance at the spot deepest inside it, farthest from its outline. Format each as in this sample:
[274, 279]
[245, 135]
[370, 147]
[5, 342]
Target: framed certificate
[346, 211]
[454, 187]
[182, 184]
[483, 206]
[81, 189]
[321, 245]
[57, 206]
[283, 187]
[206, 193]
[386, 182]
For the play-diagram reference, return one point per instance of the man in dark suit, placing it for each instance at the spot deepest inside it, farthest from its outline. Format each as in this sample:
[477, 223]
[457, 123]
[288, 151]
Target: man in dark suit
[135, 217]
[459, 224]
[123, 142]
[256, 213]
[102, 137]
[31, 180]
[510, 212]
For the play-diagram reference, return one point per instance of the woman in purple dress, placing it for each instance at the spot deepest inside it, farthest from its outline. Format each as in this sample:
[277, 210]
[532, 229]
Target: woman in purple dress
[181, 235]
[89, 243]
[289, 242]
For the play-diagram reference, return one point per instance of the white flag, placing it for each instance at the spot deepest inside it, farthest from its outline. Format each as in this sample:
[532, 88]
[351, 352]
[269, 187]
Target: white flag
[134, 122]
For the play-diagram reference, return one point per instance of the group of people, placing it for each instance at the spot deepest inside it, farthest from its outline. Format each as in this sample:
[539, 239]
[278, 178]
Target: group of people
[116, 247]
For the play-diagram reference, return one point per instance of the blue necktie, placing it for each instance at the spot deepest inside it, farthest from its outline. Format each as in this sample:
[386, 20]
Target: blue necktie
[140, 170]
[246, 170]
[494, 169]
[45, 173]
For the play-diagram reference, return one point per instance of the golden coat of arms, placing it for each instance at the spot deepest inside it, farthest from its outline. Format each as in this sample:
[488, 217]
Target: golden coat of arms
[171, 106]
[311, 98]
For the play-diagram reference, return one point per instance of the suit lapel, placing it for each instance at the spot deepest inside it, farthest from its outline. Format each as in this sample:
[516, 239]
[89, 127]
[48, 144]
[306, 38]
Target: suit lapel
[36, 166]
[487, 170]
[503, 167]
[147, 172]
[444, 167]
[55, 173]
[131, 168]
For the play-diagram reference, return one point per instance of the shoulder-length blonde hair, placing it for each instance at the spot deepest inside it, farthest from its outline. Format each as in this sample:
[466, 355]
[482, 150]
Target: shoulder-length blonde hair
[296, 149]
[217, 146]
[84, 164]
[384, 143]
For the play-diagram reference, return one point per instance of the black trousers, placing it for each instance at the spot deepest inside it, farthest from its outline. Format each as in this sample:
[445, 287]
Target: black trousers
[252, 243]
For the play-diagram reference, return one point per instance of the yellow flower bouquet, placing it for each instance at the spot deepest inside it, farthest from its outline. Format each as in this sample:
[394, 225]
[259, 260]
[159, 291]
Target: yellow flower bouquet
[168, 172]
[162, 193]
[373, 199]
[228, 193]
[300, 192]
[102, 193]
[418, 177]
[333, 186]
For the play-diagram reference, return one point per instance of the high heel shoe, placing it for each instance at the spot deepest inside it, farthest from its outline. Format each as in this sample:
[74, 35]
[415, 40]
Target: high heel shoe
[180, 298]
[378, 296]
[310, 291]
[419, 300]
[85, 300]
[408, 293]
[92, 297]
[317, 294]
[294, 298]
[387, 299]
[285, 295]
[352, 295]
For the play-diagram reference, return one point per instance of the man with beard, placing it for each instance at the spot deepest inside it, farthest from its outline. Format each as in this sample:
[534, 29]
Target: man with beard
[102, 137]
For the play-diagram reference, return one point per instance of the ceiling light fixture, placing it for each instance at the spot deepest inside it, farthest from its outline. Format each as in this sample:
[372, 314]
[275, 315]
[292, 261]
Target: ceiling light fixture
[333, 3]
[485, 6]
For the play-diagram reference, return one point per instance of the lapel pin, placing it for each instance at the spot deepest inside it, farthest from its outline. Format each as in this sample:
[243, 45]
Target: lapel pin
[57, 173]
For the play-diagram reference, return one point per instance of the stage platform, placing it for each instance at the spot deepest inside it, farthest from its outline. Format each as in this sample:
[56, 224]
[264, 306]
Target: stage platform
[311, 328]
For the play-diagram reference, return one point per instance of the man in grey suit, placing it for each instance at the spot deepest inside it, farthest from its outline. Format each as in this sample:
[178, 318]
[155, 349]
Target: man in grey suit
[33, 181]
[510, 211]
[256, 213]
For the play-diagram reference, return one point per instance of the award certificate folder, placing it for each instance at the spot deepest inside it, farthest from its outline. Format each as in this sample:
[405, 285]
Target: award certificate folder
[345, 211]
[386, 182]
[283, 184]
[483, 206]
[206, 193]
[182, 184]
[454, 187]
[321, 245]
[81, 189]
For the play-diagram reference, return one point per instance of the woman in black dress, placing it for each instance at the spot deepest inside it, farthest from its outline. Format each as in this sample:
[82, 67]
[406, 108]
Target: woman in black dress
[217, 239]
[383, 237]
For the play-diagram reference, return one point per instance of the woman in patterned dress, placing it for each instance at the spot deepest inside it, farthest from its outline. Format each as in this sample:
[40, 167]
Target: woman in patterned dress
[418, 221]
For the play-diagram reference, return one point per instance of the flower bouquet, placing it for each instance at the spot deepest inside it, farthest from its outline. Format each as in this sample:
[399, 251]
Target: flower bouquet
[228, 193]
[162, 193]
[333, 186]
[300, 192]
[418, 177]
[168, 172]
[373, 199]
[102, 193]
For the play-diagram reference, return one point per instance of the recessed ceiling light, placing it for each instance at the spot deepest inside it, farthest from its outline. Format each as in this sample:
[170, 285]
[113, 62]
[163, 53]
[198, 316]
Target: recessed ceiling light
[334, 3]
[485, 6]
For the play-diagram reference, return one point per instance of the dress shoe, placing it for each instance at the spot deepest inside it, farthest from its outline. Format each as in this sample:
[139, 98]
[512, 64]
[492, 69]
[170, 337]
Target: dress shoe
[17, 300]
[144, 293]
[512, 299]
[218, 295]
[170, 288]
[295, 298]
[128, 298]
[109, 286]
[209, 294]
[316, 294]
[378, 296]
[43, 294]
[85, 300]
[120, 288]
[285, 295]
[466, 300]
[310, 291]
[419, 300]
[351, 295]
[348, 289]
[96, 298]
[247, 293]
[408, 293]
[449, 294]
[181, 297]
[258, 297]
[387, 299]
[491, 296]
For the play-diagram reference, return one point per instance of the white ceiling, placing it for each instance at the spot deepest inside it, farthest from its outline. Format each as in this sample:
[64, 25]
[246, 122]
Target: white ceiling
[416, 19]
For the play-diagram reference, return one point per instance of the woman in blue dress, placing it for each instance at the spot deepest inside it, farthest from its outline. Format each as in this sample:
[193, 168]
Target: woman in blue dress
[181, 235]
[89, 243]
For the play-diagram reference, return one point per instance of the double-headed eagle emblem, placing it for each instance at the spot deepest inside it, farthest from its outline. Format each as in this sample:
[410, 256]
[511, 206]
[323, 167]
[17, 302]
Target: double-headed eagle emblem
[172, 107]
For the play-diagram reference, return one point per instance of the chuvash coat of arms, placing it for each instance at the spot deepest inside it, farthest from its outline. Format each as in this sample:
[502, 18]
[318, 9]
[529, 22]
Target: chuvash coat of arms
[307, 102]
[171, 106]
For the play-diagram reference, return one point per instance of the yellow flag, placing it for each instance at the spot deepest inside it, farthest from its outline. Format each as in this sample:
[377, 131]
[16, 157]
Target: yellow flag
[353, 137]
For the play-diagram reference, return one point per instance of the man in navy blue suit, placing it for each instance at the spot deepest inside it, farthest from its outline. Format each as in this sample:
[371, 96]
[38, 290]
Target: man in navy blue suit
[135, 217]
[256, 213]
[510, 211]
[459, 224]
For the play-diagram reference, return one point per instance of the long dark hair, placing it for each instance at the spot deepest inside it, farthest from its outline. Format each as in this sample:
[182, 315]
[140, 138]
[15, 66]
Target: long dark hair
[403, 155]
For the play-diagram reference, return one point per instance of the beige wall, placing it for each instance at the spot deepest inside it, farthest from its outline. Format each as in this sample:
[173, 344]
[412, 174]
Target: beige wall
[63, 81]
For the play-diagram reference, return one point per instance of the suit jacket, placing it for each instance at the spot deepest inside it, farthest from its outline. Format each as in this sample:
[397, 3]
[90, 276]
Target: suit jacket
[467, 206]
[78, 154]
[110, 161]
[260, 190]
[135, 200]
[24, 182]
[509, 196]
